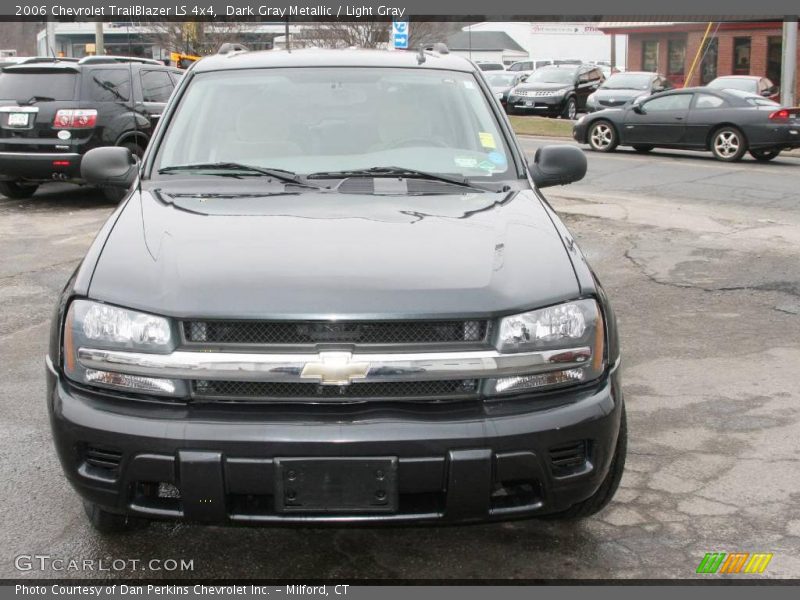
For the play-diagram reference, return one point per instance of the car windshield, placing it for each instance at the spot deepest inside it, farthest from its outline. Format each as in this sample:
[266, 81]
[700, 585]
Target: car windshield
[491, 67]
[22, 86]
[734, 83]
[628, 81]
[552, 75]
[311, 120]
[500, 79]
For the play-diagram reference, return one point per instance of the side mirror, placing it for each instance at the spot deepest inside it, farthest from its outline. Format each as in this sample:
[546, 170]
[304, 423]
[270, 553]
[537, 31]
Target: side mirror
[558, 165]
[110, 166]
[638, 108]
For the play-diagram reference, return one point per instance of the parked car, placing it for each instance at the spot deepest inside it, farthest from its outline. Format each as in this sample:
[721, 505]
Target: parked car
[621, 88]
[52, 111]
[487, 65]
[726, 122]
[333, 293]
[557, 90]
[761, 86]
[502, 83]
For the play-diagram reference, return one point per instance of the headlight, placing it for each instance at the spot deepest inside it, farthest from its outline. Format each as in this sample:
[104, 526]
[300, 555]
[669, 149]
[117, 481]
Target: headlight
[498, 95]
[94, 325]
[570, 337]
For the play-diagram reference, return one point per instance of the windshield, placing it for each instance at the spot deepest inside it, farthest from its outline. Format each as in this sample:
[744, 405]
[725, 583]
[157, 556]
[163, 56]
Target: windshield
[627, 81]
[58, 85]
[309, 120]
[500, 79]
[552, 75]
[733, 83]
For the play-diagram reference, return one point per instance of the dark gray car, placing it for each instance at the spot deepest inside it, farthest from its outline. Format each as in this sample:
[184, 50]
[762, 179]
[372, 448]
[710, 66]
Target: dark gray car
[621, 88]
[334, 293]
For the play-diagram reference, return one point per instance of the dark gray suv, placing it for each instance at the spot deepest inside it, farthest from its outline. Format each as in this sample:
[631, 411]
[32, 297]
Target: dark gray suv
[334, 293]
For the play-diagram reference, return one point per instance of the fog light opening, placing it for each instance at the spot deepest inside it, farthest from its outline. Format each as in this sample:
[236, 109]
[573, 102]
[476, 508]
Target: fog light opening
[167, 490]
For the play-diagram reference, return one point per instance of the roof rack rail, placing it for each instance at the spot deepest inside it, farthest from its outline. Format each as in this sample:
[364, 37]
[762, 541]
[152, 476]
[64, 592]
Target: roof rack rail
[230, 48]
[100, 60]
[45, 59]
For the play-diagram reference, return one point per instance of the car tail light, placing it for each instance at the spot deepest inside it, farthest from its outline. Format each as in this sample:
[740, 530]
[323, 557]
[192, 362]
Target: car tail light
[784, 114]
[75, 118]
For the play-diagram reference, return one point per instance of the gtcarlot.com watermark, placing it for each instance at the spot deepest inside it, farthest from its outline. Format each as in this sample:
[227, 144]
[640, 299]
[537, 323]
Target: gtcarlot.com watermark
[59, 564]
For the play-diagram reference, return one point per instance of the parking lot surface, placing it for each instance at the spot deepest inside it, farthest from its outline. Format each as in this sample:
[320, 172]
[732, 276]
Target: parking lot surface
[700, 260]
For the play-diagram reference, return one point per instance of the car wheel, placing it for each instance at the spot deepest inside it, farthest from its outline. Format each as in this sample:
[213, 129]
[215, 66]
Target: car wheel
[600, 499]
[643, 148]
[16, 191]
[764, 155]
[728, 144]
[602, 136]
[570, 110]
[106, 522]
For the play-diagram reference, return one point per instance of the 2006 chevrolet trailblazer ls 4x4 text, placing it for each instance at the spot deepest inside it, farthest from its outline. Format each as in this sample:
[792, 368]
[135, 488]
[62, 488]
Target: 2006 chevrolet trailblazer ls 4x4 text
[333, 293]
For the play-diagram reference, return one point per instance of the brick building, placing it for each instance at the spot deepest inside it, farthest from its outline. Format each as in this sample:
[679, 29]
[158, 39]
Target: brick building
[732, 48]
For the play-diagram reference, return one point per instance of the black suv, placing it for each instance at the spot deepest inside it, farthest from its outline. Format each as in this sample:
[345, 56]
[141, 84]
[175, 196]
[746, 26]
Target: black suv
[52, 111]
[557, 90]
[334, 293]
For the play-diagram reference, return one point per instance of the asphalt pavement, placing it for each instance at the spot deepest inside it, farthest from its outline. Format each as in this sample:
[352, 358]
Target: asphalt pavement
[701, 262]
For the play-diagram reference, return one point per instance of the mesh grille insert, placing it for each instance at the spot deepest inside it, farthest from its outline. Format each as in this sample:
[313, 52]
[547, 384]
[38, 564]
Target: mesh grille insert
[319, 332]
[257, 390]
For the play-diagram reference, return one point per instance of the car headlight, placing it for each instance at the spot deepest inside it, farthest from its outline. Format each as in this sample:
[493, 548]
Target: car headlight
[570, 338]
[94, 325]
[498, 95]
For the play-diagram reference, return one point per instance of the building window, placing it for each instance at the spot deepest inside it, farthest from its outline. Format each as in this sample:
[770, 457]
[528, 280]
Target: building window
[676, 57]
[741, 56]
[650, 55]
[708, 67]
[774, 47]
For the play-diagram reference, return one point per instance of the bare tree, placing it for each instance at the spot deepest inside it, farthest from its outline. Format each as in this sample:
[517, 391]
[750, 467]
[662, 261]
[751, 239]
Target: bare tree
[429, 32]
[193, 37]
[343, 34]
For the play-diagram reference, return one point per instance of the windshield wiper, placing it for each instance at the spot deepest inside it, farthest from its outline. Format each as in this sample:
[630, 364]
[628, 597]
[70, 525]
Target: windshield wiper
[111, 88]
[35, 99]
[279, 174]
[396, 172]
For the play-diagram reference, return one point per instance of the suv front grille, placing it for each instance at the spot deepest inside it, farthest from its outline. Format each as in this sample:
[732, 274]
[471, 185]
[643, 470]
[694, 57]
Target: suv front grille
[271, 333]
[275, 392]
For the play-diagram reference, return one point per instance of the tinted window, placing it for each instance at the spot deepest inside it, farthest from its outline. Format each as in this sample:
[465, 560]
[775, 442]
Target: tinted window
[156, 86]
[50, 84]
[108, 85]
[672, 102]
[741, 56]
[708, 101]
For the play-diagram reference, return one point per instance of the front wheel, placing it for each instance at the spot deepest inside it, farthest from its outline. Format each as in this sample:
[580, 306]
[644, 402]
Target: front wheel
[728, 144]
[600, 499]
[570, 110]
[16, 191]
[765, 155]
[602, 136]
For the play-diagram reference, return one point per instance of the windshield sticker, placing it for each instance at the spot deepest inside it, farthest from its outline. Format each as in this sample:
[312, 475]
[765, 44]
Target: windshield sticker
[469, 85]
[497, 158]
[466, 162]
[487, 140]
[487, 166]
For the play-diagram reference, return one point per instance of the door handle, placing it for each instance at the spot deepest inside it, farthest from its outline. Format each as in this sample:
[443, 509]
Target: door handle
[679, 118]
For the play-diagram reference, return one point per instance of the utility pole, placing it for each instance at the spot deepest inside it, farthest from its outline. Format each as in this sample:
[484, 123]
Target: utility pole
[99, 48]
[613, 52]
[286, 35]
[789, 62]
[50, 37]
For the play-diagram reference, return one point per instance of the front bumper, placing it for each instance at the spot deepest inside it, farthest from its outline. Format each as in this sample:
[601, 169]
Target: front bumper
[540, 104]
[455, 463]
[39, 166]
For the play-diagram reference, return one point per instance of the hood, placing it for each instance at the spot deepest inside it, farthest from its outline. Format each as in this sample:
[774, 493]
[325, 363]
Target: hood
[544, 87]
[611, 94]
[185, 253]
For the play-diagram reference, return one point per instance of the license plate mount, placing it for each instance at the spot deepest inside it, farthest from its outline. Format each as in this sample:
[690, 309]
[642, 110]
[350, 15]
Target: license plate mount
[336, 485]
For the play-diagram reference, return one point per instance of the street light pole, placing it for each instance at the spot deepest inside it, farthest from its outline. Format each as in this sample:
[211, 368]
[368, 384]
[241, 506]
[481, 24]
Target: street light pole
[99, 48]
[789, 62]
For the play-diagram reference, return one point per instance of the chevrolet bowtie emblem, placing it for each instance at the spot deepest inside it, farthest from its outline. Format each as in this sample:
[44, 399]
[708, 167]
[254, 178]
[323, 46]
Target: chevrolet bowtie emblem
[335, 368]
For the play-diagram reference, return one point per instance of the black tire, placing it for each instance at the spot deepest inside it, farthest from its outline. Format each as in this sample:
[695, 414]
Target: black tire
[602, 136]
[15, 191]
[106, 522]
[728, 144]
[570, 109]
[600, 499]
[765, 155]
[643, 148]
